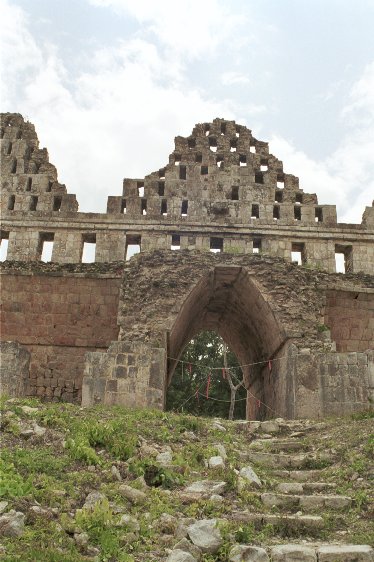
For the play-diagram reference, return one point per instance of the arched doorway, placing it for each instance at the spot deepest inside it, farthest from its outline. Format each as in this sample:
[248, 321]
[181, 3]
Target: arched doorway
[229, 300]
[208, 380]
[267, 311]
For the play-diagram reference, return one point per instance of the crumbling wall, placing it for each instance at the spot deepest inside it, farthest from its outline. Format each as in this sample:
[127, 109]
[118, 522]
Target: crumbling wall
[269, 312]
[58, 315]
[14, 369]
[223, 192]
[350, 317]
[220, 190]
[130, 374]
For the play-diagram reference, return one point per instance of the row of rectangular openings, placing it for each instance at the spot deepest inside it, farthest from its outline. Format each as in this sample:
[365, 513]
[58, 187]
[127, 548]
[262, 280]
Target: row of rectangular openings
[33, 203]
[45, 247]
[46, 241]
[88, 248]
[29, 185]
[164, 208]
[343, 254]
[343, 258]
[4, 241]
[298, 253]
[216, 245]
[255, 213]
[133, 245]
[234, 190]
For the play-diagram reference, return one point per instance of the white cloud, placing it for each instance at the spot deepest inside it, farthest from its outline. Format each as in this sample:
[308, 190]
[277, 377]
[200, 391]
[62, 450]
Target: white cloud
[20, 55]
[346, 177]
[230, 78]
[118, 117]
[190, 28]
[360, 110]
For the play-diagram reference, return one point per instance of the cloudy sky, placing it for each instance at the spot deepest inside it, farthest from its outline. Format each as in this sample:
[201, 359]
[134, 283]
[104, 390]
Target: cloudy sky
[110, 83]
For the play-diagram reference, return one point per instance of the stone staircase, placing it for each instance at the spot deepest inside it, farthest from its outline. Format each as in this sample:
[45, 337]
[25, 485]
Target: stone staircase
[298, 497]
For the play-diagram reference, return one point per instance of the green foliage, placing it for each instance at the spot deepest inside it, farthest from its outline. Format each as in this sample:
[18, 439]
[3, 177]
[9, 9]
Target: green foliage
[55, 415]
[80, 450]
[366, 415]
[45, 554]
[95, 519]
[361, 499]
[112, 437]
[155, 475]
[316, 463]
[205, 356]
[12, 484]
[97, 522]
[37, 460]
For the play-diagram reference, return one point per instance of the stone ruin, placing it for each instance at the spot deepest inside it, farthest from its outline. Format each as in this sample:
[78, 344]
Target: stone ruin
[226, 241]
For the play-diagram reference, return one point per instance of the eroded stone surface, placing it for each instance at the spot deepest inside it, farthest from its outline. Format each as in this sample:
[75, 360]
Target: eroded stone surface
[205, 535]
[244, 553]
[221, 189]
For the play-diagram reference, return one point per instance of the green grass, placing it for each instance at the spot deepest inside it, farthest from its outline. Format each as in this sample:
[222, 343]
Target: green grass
[80, 447]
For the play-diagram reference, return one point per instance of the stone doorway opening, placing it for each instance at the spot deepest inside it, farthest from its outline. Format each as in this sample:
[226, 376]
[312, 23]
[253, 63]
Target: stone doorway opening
[230, 301]
[208, 380]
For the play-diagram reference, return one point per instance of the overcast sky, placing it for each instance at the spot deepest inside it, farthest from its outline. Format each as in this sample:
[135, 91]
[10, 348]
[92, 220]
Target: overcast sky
[110, 83]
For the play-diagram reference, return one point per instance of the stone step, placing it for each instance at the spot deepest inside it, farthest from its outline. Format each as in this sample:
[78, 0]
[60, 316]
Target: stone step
[304, 487]
[314, 553]
[273, 460]
[296, 522]
[272, 445]
[298, 475]
[289, 501]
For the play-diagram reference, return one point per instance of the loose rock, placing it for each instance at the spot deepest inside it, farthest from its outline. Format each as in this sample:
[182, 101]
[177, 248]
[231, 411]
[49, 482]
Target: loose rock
[129, 522]
[3, 506]
[131, 494]
[12, 524]
[345, 553]
[187, 546]
[164, 458]
[180, 556]
[293, 552]
[116, 473]
[248, 474]
[92, 499]
[216, 462]
[244, 553]
[205, 535]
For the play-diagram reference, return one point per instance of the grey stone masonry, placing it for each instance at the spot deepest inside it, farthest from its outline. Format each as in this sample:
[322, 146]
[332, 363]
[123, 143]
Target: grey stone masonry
[14, 369]
[220, 190]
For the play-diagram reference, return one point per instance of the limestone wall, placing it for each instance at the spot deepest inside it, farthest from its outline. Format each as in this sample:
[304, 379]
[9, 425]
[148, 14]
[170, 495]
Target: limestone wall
[350, 317]
[235, 219]
[221, 190]
[131, 374]
[59, 315]
[14, 369]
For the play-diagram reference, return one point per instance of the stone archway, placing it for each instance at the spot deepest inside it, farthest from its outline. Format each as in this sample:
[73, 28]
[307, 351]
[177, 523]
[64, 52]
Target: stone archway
[228, 300]
[265, 309]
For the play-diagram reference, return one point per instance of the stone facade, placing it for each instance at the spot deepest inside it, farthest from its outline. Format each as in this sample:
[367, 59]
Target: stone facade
[217, 228]
[14, 369]
[59, 313]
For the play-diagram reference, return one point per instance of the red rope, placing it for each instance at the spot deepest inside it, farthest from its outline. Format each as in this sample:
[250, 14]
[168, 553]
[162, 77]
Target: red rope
[207, 387]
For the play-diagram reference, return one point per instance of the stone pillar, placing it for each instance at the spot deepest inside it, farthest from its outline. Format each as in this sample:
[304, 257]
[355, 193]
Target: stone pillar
[130, 374]
[14, 369]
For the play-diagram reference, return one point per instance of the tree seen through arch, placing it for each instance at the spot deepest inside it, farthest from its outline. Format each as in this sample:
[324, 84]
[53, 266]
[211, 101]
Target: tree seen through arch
[201, 381]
